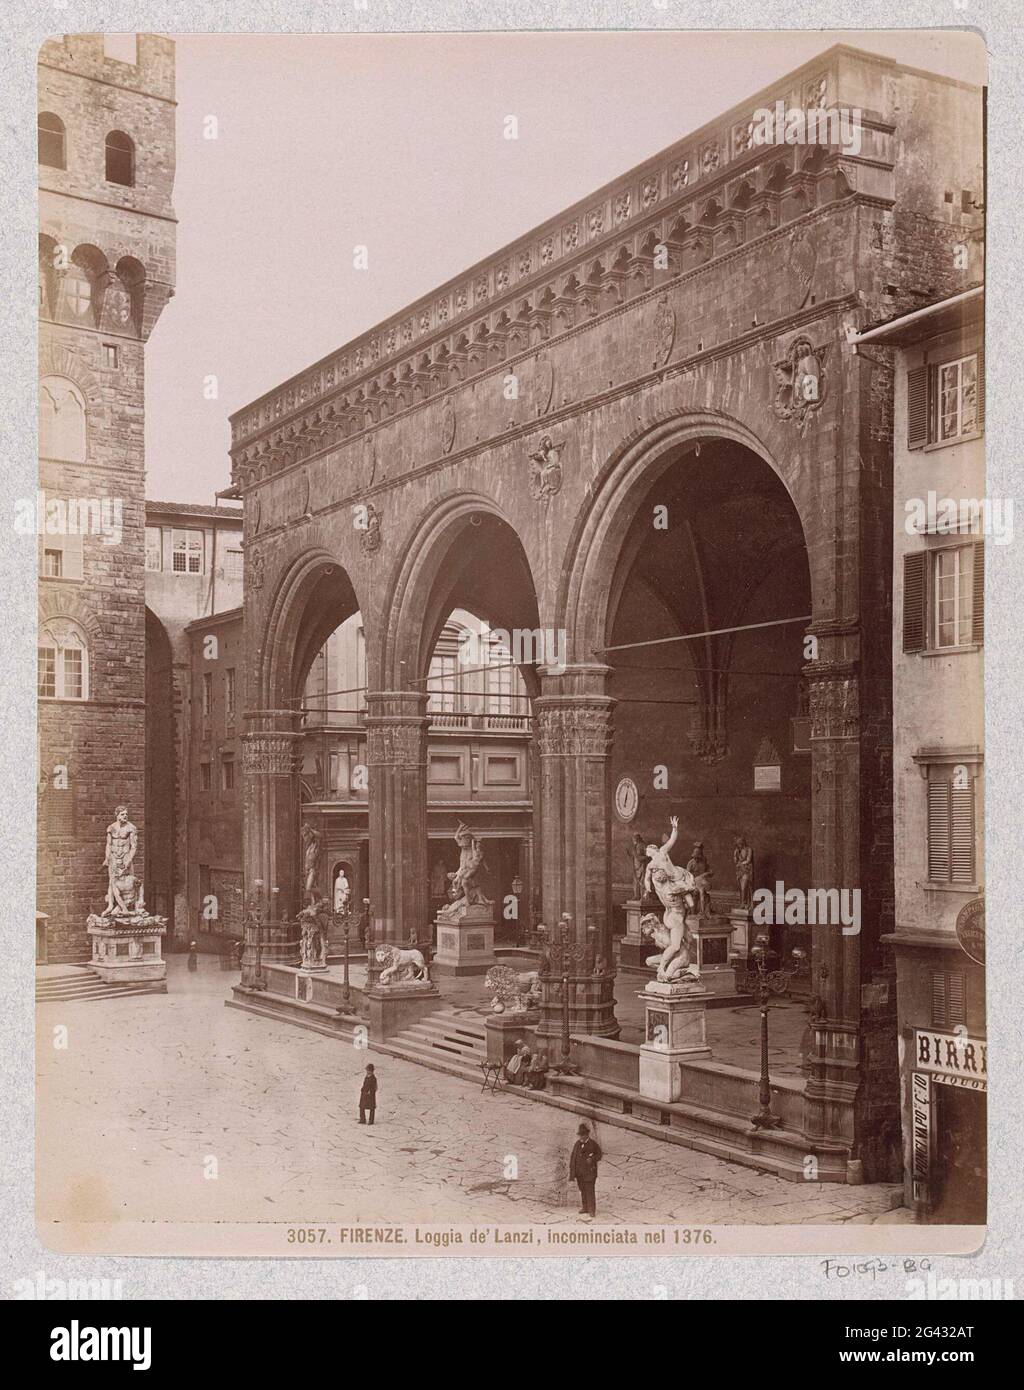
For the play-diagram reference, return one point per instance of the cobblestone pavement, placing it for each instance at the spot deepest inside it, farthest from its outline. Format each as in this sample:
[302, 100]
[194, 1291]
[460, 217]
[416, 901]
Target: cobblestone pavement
[151, 1088]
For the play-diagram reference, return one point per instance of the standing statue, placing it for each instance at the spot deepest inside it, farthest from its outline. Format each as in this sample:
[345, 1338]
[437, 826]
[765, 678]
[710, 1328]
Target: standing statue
[342, 893]
[122, 846]
[701, 870]
[465, 888]
[637, 856]
[677, 891]
[743, 858]
[313, 921]
[311, 839]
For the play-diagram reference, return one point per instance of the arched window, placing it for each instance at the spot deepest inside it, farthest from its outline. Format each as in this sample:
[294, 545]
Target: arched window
[61, 420]
[52, 149]
[120, 159]
[63, 661]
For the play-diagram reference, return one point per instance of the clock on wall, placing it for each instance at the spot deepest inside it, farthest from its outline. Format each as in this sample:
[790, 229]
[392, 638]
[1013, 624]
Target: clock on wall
[627, 799]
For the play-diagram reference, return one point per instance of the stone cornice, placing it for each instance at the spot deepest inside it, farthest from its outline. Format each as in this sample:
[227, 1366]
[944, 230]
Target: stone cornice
[703, 167]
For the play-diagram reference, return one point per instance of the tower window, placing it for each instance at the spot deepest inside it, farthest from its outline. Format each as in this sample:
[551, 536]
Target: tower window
[120, 159]
[52, 146]
[63, 661]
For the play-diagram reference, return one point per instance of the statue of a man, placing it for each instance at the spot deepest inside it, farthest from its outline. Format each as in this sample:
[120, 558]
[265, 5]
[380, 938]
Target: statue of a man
[122, 846]
[465, 889]
[313, 923]
[311, 839]
[342, 893]
[698, 865]
[743, 858]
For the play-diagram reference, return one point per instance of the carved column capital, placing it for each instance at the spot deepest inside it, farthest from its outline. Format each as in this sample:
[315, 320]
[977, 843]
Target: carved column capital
[272, 754]
[571, 729]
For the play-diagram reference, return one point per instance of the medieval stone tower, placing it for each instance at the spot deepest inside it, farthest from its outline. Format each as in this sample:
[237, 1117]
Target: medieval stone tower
[106, 270]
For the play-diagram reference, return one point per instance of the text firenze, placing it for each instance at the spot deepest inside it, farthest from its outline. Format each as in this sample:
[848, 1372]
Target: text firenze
[807, 907]
[795, 126]
[77, 1343]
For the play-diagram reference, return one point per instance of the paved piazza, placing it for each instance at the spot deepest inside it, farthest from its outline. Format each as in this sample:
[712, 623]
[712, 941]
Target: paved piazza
[151, 1087]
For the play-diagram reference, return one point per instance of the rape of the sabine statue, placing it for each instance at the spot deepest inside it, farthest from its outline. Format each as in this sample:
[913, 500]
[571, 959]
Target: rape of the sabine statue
[465, 889]
[677, 889]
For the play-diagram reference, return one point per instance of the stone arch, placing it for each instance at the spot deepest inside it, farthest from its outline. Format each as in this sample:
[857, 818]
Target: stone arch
[585, 596]
[413, 606]
[294, 631]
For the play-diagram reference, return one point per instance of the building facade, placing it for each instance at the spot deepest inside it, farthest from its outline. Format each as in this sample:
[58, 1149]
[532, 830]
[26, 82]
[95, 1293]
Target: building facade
[939, 530]
[106, 270]
[193, 571]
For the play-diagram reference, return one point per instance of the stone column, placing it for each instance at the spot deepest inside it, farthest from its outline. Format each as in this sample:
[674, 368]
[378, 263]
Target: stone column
[396, 737]
[271, 758]
[574, 733]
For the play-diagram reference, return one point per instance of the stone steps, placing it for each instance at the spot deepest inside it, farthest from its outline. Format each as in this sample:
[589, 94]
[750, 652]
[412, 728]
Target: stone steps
[81, 983]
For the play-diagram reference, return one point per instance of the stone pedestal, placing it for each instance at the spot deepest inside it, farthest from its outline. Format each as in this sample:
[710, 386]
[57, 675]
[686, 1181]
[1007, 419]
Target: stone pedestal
[741, 922]
[634, 948]
[674, 1031]
[393, 1008]
[465, 947]
[713, 936]
[127, 948]
[505, 1030]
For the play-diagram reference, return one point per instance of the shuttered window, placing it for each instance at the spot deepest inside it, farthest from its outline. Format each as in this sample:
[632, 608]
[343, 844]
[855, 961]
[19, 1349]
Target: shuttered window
[917, 407]
[978, 594]
[950, 827]
[915, 601]
[946, 401]
[949, 998]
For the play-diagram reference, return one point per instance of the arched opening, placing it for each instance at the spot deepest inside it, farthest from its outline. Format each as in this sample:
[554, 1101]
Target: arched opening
[120, 159]
[161, 826]
[708, 599]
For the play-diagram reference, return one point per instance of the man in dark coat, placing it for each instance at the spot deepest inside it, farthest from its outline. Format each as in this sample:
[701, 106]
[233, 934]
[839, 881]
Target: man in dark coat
[368, 1095]
[586, 1155]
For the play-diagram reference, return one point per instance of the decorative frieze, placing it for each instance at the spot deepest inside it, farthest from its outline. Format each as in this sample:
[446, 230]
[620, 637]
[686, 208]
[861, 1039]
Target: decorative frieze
[398, 743]
[272, 755]
[583, 730]
[834, 705]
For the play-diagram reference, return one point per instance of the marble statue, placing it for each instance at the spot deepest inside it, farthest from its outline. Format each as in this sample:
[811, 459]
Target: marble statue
[677, 890]
[743, 858]
[400, 966]
[313, 921]
[465, 888]
[122, 847]
[515, 991]
[311, 840]
[342, 893]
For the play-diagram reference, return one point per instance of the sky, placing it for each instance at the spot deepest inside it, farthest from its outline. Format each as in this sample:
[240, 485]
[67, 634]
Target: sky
[395, 142]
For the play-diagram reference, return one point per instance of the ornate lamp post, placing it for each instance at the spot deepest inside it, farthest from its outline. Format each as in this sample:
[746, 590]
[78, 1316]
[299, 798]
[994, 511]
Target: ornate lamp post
[517, 893]
[256, 919]
[346, 992]
[566, 1066]
[768, 982]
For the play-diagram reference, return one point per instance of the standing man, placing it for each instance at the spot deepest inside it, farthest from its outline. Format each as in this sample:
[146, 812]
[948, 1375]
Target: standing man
[368, 1095]
[586, 1155]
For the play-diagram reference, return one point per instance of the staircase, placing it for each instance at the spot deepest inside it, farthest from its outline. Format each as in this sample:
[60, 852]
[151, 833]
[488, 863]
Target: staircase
[448, 1040]
[77, 982]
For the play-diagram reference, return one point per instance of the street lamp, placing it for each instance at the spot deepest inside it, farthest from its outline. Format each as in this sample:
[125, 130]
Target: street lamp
[764, 1119]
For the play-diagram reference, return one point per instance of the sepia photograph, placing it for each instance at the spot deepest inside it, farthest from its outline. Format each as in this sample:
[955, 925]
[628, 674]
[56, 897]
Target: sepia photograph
[512, 528]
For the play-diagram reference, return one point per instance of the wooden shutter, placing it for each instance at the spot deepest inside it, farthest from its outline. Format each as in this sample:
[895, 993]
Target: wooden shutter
[961, 832]
[915, 601]
[978, 594]
[981, 388]
[949, 998]
[917, 407]
[938, 831]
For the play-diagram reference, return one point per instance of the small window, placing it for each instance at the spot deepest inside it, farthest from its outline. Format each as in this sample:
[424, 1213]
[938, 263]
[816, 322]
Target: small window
[229, 692]
[207, 694]
[227, 774]
[52, 146]
[944, 598]
[53, 564]
[204, 777]
[187, 552]
[110, 355]
[946, 401]
[953, 580]
[63, 664]
[233, 565]
[958, 398]
[120, 159]
[154, 548]
[442, 684]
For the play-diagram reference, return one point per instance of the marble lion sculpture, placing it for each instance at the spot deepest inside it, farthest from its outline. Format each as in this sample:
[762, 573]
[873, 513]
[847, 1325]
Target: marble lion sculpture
[400, 966]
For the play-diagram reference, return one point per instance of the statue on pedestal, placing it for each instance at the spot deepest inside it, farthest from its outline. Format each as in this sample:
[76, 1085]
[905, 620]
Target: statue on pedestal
[743, 858]
[401, 966]
[342, 894]
[122, 846]
[701, 870]
[465, 888]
